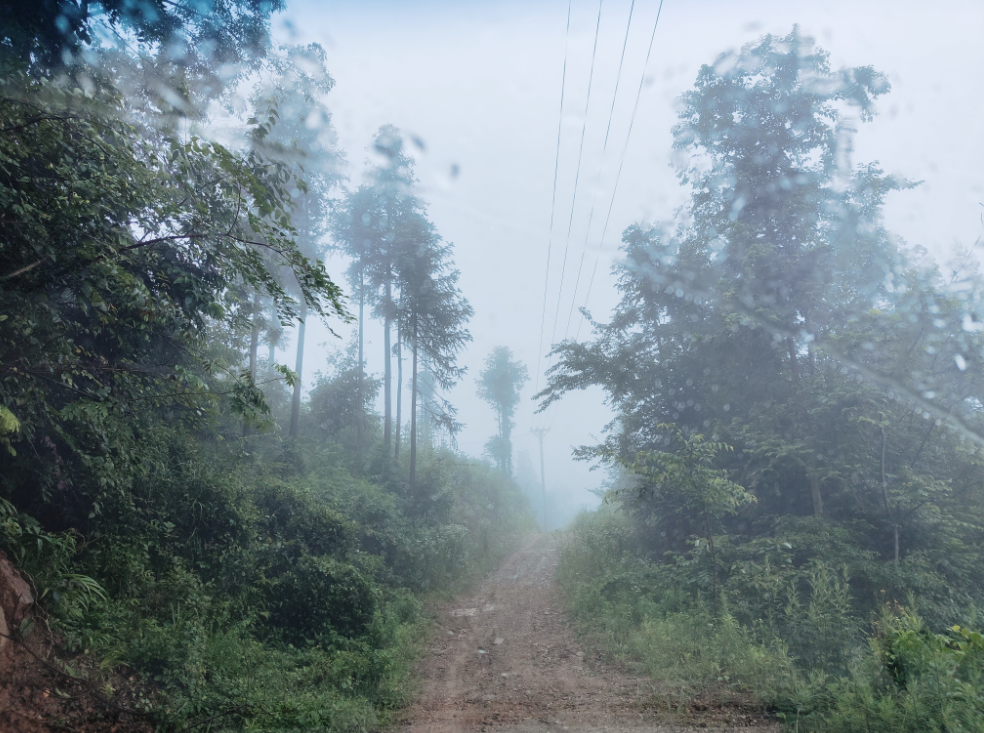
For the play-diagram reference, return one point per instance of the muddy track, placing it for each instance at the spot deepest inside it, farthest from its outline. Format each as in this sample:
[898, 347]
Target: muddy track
[505, 659]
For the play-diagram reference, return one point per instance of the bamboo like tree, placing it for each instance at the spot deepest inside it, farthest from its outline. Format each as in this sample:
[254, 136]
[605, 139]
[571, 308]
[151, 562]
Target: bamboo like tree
[354, 233]
[369, 226]
[392, 182]
[433, 313]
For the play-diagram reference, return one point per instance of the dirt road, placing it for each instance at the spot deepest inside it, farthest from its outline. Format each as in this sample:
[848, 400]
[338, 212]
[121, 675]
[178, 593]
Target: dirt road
[505, 660]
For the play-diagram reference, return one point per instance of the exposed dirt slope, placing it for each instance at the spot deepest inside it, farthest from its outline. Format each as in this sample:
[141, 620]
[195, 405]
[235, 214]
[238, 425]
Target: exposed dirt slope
[505, 660]
[44, 688]
[36, 698]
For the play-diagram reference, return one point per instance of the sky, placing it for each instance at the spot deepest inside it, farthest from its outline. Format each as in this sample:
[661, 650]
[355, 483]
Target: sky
[477, 86]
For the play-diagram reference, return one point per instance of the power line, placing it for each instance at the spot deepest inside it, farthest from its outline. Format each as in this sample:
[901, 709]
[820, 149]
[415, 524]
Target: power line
[608, 129]
[577, 175]
[553, 198]
[621, 162]
[618, 76]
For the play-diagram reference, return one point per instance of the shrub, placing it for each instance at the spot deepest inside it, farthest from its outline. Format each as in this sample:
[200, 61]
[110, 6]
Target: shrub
[318, 596]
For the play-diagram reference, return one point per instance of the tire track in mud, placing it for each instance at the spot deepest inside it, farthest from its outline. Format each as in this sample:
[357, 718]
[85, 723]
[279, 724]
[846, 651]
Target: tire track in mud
[505, 659]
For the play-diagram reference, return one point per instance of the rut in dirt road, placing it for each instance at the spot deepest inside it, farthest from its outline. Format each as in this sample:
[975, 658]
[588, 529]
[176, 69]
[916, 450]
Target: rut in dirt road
[505, 659]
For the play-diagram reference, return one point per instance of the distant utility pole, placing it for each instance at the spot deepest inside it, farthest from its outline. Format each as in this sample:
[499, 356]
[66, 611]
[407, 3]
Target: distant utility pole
[539, 433]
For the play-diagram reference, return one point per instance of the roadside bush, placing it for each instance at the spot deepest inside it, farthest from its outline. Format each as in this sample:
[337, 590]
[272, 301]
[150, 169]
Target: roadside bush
[291, 513]
[318, 596]
[243, 594]
[640, 615]
[911, 681]
[791, 635]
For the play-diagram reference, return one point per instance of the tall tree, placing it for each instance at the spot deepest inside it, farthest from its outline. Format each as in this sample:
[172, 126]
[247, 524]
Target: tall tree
[782, 319]
[292, 97]
[432, 313]
[186, 51]
[109, 291]
[354, 230]
[366, 227]
[771, 201]
[392, 182]
[499, 384]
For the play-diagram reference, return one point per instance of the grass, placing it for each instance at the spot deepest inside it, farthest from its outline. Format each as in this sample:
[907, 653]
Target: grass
[905, 679]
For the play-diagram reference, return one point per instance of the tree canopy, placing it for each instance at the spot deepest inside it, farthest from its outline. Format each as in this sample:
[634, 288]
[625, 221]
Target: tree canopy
[782, 319]
[198, 47]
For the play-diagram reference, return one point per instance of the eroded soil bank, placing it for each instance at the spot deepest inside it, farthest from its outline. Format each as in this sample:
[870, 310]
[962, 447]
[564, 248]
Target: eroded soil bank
[505, 659]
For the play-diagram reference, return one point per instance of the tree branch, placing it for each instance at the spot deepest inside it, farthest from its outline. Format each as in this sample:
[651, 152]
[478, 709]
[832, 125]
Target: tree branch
[198, 235]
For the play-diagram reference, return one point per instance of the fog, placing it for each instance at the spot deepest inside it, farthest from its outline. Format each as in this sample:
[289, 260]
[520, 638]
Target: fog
[477, 87]
[696, 287]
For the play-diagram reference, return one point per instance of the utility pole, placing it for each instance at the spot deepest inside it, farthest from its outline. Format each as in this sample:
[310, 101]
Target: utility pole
[539, 433]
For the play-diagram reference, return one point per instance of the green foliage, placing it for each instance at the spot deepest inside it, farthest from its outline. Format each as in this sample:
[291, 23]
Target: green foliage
[199, 50]
[828, 366]
[681, 481]
[145, 487]
[340, 401]
[642, 614]
[46, 558]
[287, 604]
[911, 680]
[112, 285]
[317, 596]
[789, 637]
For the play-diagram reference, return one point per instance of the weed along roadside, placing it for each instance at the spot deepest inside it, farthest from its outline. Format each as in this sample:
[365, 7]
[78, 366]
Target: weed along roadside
[652, 619]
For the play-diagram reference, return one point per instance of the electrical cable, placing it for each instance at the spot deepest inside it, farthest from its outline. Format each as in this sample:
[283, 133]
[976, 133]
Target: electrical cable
[618, 76]
[621, 162]
[553, 199]
[608, 129]
[577, 175]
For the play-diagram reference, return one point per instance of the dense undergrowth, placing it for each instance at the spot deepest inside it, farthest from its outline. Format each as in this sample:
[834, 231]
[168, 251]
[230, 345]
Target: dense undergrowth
[286, 598]
[796, 637]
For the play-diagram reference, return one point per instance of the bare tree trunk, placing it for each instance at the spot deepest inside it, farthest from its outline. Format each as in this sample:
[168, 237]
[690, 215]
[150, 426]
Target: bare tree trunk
[888, 509]
[271, 343]
[254, 345]
[387, 376]
[399, 393]
[361, 416]
[817, 496]
[413, 413]
[295, 403]
[793, 363]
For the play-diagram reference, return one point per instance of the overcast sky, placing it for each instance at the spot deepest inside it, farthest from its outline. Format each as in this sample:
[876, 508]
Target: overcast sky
[479, 85]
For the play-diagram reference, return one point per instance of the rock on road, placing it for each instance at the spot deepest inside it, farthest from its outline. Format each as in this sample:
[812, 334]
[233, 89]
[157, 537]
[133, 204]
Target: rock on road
[505, 660]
